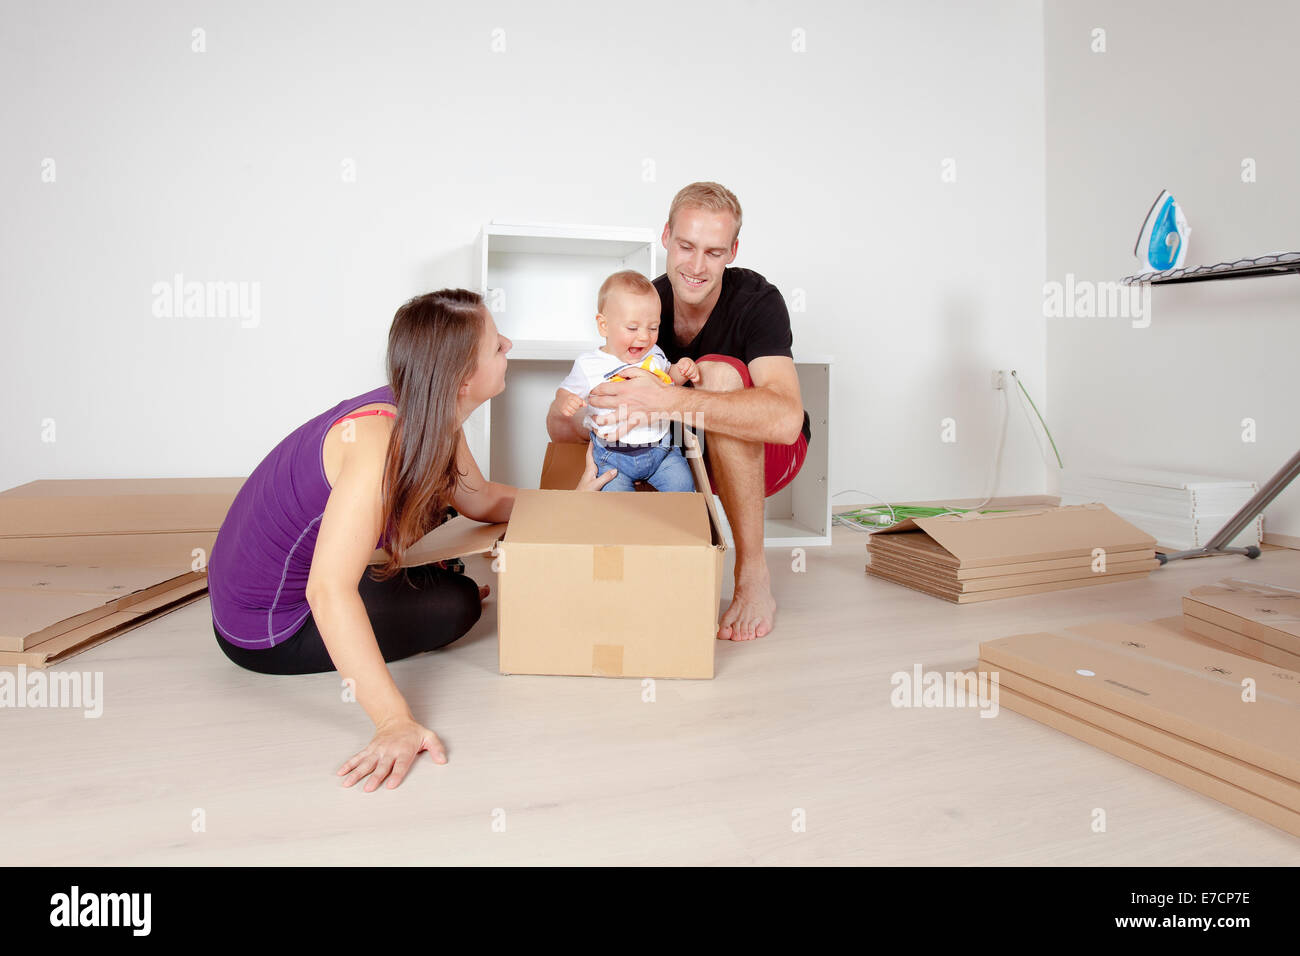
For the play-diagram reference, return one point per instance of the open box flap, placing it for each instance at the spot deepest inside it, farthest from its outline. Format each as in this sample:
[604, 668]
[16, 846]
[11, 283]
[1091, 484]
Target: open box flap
[457, 538]
[544, 516]
[564, 463]
[1034, 534]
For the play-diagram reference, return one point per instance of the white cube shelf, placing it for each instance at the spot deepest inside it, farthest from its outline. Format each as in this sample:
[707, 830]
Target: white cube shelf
[544, 279]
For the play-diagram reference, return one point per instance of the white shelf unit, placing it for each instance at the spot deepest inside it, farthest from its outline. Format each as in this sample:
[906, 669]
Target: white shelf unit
[540, 282]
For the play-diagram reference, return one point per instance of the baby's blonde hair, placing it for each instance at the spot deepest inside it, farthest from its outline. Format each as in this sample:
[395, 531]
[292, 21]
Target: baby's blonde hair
[711, 196]
[629, 280]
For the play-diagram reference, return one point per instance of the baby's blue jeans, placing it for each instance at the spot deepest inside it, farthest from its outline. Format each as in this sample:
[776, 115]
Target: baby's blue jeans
[662, 465]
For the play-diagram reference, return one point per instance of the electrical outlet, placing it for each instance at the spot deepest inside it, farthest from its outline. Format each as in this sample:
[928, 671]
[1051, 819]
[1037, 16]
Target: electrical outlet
[999, 378]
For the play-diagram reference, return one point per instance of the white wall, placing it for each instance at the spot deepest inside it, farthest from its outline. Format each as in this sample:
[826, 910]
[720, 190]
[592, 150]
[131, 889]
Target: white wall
[225, 166]
[1183, 93]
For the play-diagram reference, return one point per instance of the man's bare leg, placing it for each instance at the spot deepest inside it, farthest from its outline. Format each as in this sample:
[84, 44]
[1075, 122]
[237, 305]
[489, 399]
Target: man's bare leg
[737, 469]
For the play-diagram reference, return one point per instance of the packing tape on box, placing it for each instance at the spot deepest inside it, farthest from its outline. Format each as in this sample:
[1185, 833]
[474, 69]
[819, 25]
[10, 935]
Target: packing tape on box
[607, 563]
[607, 660]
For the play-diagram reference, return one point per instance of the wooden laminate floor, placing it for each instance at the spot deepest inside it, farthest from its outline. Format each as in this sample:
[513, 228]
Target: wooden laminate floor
[548, 770]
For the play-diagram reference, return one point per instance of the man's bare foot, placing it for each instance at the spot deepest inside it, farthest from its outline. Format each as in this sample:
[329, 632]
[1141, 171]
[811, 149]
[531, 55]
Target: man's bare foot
[752, 609]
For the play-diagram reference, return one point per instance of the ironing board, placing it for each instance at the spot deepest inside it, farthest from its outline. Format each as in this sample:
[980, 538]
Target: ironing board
[1281, 263]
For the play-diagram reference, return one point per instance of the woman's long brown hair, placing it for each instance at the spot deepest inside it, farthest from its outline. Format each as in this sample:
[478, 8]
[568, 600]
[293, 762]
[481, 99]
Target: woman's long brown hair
[432, 349]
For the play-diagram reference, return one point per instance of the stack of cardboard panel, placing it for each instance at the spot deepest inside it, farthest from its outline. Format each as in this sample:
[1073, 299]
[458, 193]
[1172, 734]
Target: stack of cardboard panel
[980, 557]
[1215, 721]
[82, 561]
[1254, 619]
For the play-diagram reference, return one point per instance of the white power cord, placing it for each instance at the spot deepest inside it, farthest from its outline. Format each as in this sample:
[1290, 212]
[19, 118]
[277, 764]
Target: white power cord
[997, 468]
[997, 460]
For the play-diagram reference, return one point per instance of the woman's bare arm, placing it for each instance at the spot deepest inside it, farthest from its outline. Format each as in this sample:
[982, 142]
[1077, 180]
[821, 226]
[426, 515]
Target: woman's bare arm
[349, 529]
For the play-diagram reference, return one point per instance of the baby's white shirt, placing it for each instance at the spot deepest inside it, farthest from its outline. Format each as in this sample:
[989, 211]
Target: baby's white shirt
[591, 369]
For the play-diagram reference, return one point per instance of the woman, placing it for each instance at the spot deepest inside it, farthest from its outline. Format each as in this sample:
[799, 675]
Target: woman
[288, 575]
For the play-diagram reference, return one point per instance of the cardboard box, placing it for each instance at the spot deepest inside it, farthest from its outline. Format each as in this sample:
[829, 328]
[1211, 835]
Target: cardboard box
[116, 506]
[600, 584]
[972, 557]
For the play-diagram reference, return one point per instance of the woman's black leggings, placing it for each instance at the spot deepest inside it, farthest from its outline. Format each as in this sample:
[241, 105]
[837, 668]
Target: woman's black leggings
[425, 608]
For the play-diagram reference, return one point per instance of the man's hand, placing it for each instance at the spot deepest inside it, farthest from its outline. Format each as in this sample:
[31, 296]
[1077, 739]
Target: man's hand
[640, 398]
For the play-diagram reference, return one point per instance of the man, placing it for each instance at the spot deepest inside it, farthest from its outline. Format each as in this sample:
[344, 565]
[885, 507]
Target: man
[734, 324]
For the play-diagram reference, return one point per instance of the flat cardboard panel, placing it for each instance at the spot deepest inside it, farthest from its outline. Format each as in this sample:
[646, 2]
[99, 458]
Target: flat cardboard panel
[559, 615]
[921, 548]
[116, 506]
[1151, 675]
[168, 550]
[1237, 772]
[951, 594]
[1263, 612]
[928, 575]
[1241, 644]
[1178, 625]
[1039, 534]
[39, 601]
[1190, 777]
[73, 642]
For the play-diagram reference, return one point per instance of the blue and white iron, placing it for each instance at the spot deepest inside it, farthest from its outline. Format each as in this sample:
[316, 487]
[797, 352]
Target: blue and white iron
[1162, 243]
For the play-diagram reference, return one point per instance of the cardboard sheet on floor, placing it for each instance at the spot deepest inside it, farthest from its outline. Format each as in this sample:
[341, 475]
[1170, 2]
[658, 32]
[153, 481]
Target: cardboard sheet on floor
[1155, 761]
[929, 575]
[972, 557]
[1168, 701]
[83, 560]
[970, 597]
[116, 506]
[1261, 613]
[1152, 675]
[79, 639]
[39, 601]
[921, 549]
[167, 550]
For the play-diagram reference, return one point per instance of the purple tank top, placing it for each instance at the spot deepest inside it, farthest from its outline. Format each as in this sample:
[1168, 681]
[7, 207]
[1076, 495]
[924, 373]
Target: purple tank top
[257, 571]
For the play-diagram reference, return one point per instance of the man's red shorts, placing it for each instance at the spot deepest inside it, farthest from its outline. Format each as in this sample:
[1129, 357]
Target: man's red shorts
[780, 462]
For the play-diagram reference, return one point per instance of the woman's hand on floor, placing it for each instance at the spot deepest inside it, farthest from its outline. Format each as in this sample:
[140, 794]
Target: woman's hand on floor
[391, 753]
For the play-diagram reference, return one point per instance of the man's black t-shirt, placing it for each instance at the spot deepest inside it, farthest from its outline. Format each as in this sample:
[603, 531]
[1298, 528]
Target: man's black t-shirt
[749, 320]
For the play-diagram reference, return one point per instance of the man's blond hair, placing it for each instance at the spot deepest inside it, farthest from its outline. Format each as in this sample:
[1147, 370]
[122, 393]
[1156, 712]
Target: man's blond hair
[711, 196]
[629, 280]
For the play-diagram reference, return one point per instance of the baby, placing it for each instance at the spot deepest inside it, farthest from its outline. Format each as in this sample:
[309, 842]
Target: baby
[627, 318]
